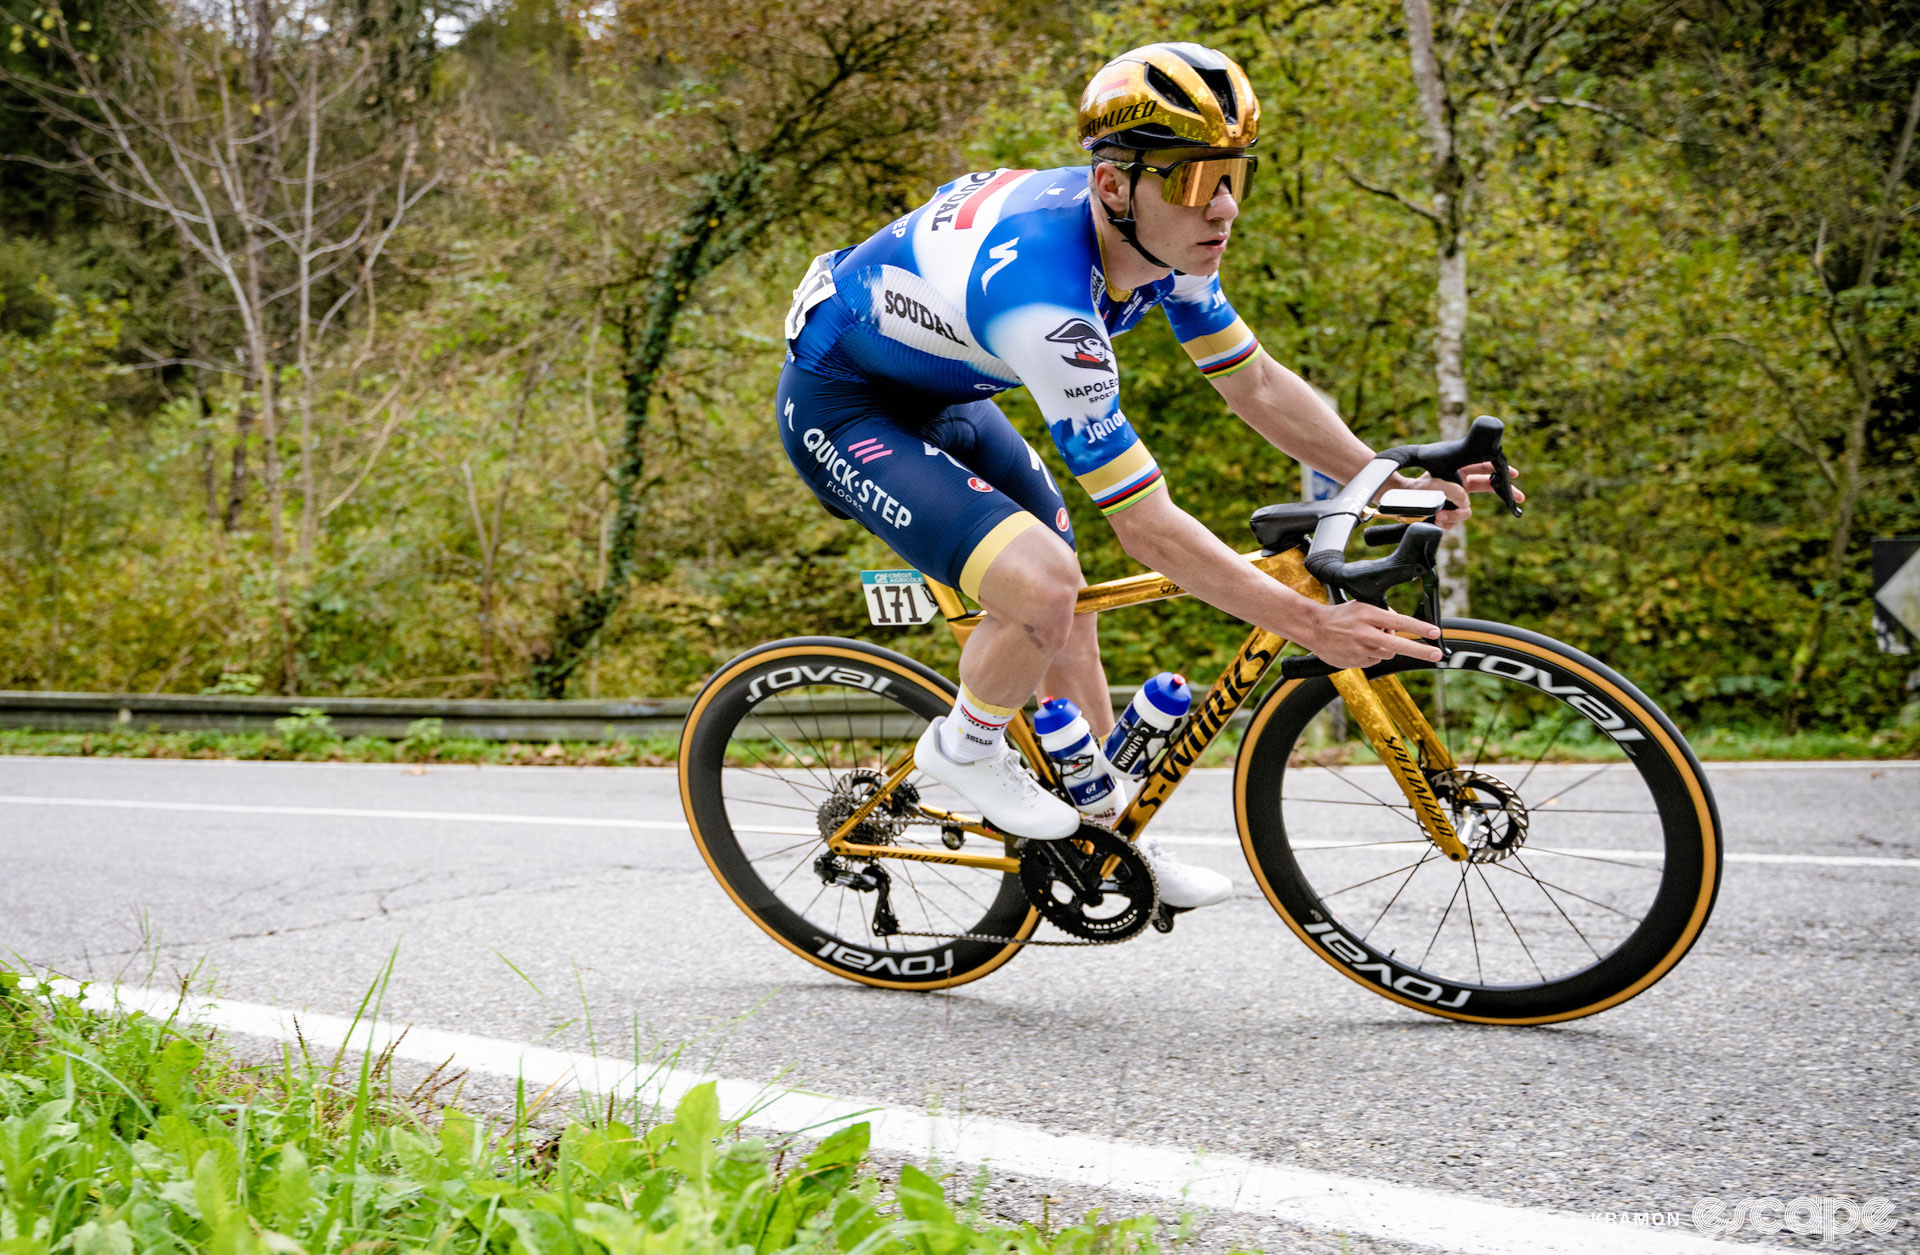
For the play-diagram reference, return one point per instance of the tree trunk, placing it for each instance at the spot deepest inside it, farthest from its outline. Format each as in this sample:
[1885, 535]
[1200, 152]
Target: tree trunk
[1859, 353]
[644, 347]
[1450, 321]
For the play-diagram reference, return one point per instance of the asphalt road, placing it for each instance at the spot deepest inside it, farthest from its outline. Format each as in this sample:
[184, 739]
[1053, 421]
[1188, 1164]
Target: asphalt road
[1780, 1059]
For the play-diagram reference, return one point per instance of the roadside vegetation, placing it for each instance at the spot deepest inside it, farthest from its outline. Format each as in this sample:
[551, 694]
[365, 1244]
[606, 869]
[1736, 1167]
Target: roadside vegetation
[312, 739]
[426, 350]
[131, 1133]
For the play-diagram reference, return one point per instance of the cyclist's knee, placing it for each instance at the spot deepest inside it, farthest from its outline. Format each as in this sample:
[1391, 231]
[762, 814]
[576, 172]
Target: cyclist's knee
[1035, 583]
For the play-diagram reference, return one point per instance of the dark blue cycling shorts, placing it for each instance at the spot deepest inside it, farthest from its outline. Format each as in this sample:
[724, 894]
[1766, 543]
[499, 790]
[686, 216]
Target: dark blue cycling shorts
[947, 486]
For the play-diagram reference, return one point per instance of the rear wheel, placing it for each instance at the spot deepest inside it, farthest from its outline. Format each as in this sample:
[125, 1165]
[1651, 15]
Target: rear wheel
[1595, 843]
[781, 746]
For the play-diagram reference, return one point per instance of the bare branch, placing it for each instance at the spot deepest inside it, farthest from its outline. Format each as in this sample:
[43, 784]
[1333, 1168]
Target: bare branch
[1389, 193]
[1534, 103]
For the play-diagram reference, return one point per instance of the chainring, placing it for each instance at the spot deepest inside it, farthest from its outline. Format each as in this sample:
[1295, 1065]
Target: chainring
[1064, 882]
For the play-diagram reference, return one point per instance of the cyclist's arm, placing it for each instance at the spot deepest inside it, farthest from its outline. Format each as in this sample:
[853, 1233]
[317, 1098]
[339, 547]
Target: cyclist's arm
[1159, 534]
[1292, 418]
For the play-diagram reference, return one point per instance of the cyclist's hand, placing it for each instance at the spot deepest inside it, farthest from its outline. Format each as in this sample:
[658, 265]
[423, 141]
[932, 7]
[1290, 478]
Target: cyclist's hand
[1355, 634]
[1475, 478]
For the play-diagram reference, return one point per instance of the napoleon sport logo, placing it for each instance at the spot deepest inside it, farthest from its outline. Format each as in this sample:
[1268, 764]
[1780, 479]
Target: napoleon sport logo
[1090, 348]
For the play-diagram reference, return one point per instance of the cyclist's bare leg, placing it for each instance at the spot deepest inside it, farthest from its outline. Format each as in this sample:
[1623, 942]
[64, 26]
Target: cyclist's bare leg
[1030, 633]
[1078, 673]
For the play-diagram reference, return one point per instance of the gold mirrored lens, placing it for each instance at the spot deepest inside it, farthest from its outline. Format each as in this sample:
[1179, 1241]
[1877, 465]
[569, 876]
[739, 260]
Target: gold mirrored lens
[1196, 182]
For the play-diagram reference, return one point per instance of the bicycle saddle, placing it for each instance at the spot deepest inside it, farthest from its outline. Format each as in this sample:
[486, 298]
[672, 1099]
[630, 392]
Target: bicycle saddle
[1277, 526]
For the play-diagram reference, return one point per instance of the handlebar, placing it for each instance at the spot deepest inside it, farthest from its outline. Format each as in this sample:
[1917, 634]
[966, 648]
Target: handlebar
[1417, 545]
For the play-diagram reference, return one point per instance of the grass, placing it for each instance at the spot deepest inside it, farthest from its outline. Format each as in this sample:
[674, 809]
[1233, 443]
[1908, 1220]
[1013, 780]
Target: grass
[129, 1133]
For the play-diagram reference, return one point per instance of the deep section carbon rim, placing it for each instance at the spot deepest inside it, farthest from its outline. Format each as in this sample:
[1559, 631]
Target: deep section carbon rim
[787, 741]
[1595, 846]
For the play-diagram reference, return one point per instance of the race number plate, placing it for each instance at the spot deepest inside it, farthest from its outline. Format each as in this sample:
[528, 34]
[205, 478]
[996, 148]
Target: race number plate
[898, 598]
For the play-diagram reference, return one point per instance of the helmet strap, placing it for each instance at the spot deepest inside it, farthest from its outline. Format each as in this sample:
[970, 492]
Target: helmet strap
[1128, 226]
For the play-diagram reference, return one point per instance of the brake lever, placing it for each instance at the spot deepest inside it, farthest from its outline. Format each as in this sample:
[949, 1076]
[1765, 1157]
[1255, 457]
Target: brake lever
[1503, 484]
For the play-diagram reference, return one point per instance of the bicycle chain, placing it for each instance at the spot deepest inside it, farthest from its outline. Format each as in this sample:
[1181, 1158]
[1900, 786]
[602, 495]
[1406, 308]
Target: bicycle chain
[1157, 913]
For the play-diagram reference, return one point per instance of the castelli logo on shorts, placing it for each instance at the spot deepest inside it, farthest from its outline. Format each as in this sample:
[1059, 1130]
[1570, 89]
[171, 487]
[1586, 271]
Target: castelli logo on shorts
[978, 485]
[1060, 519]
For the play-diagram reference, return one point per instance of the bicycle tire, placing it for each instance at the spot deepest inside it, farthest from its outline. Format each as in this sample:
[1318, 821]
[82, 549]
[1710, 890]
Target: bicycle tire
[862, 705]
[1640, 927]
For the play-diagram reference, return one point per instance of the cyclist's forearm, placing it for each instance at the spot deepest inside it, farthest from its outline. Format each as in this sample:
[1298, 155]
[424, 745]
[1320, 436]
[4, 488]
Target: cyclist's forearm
[1161, 535]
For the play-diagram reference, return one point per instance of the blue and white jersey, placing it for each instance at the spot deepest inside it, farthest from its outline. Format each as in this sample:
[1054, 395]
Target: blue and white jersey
[997, 283]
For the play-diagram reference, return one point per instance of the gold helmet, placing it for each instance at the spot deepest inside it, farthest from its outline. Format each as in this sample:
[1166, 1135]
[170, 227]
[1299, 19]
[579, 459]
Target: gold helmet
[1169, 96]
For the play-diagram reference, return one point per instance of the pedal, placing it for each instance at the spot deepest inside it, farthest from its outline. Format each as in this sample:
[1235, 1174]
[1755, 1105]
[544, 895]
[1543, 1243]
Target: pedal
[1163, 917]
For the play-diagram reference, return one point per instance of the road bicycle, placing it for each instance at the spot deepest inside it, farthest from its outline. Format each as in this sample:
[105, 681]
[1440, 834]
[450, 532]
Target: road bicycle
[1514, 835]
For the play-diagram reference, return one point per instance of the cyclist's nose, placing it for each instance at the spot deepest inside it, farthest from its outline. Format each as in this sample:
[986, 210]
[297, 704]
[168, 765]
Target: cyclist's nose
[1223, 208]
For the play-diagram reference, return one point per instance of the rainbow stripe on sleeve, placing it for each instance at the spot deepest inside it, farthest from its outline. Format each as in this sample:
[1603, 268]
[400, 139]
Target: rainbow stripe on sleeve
[1126, 480]
[1223, 352]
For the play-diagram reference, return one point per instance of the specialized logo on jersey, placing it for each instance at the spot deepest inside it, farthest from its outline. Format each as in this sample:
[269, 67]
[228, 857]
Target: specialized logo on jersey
[1090, 348]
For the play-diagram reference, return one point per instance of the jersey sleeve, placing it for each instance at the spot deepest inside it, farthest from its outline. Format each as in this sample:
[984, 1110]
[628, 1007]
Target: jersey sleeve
[1215, 337]
[1066, 361]
[1039, 318]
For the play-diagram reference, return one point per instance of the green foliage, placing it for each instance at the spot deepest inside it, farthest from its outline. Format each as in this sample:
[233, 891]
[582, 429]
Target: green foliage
[309, 730]
[1665, 307]
[136, 1133]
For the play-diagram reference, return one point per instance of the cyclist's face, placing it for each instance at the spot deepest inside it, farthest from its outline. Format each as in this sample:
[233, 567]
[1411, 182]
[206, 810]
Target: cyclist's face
[1191, 238]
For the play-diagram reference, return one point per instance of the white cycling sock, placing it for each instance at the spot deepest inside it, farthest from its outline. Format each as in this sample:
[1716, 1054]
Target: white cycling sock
[975, 730]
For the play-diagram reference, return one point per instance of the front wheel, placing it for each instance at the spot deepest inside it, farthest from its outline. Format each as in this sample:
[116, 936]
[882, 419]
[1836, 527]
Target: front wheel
[1594, 840]
[781, 746]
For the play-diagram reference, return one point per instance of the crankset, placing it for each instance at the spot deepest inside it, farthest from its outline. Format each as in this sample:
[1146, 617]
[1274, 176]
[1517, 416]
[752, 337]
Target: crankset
[1092, 885]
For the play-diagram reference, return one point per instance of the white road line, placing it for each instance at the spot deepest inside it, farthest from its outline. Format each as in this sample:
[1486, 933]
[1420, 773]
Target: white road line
[671, 825]
[1312, 1199]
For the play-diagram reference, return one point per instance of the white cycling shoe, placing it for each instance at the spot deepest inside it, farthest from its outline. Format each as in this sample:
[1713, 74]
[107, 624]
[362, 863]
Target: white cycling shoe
[1009, 798]
[1183, 887]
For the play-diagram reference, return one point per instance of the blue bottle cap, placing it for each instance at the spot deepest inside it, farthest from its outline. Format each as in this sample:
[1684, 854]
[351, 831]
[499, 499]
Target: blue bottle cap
[1169, 693]
[1055, 713]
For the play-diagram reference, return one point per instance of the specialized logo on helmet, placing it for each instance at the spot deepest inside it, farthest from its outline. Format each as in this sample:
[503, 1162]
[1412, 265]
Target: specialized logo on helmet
[1170, 95]
[1090, 348]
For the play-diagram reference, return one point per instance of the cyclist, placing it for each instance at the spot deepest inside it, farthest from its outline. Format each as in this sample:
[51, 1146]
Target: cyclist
[1022, 277]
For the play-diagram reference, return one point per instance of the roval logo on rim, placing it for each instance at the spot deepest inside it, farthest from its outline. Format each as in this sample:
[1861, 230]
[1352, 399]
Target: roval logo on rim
[836, 673]
[1573, 693]
[1348, 951]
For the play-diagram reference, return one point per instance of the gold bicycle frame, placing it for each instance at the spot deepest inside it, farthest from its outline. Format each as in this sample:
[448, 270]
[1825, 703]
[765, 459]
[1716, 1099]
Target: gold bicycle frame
[1381, 707]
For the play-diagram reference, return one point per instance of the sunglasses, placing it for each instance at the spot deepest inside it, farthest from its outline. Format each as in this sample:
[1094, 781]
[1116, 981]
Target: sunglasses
[1194, 181]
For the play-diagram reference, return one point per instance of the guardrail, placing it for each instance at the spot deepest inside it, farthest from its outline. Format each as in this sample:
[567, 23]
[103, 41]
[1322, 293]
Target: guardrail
[630, 719]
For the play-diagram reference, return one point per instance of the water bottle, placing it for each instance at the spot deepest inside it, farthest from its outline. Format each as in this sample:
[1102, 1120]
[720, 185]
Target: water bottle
[1067, 739]
[1143, 726]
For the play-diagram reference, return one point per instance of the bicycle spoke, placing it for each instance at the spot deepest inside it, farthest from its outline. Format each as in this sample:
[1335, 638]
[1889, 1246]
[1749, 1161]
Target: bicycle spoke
[1555, 903]
[1478, 870]
[1570, 788]
[1527, 872]
[1382, 876]
[1411, 873]
[1566, 720]
[1486, 729]
[1595, 858]
[761, 858]
[1457, 886]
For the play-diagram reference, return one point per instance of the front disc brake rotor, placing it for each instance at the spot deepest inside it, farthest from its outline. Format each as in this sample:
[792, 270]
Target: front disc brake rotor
[1487, 813]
